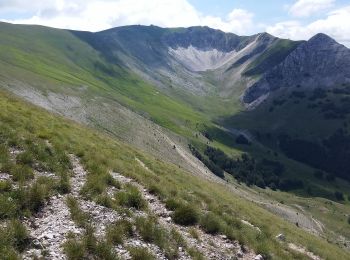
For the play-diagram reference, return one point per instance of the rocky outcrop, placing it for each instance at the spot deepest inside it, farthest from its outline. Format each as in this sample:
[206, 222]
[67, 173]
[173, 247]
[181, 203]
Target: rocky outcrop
[319, 62]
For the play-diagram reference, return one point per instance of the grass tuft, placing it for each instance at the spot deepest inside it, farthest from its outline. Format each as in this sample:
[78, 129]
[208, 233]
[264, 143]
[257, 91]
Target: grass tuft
[80, 217]
[119, 231]
[131, 197]
[211, 223]
[186, 215]
[140, 253]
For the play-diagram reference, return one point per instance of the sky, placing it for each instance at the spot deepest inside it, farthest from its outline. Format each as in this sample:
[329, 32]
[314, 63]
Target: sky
[291, 19]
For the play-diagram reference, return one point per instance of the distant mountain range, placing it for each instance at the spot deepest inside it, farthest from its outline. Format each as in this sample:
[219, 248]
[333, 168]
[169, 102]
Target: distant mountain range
[263, 62]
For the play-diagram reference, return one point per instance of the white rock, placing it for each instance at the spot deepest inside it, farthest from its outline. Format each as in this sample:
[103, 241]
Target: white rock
[281, 237]
[258, 257]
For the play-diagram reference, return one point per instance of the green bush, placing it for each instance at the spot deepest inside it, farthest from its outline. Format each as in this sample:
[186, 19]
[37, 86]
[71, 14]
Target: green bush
[210, 223]
[74, 249]
[5, 186]
[118, 231]
[90, 240]
[112, 182]
[19, 235]
[152, 232]
[21, 173]
[140, 253]
[185, 215]
[8, 207]
[193, 232]
[25, 158]
[8, 253]
[36, 197]
[64, 186]
[156, 190]
[5, 163]
[195, 254]
[172, 204]
[131, 197]
[88, 247]
[104, 200]
[105, 251]
[149, 230]
[14, 237]
[339, 196]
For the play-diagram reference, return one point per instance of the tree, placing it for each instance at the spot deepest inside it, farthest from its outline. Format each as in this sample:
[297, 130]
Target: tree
[319, 174]
[241, 139]
[339, 195]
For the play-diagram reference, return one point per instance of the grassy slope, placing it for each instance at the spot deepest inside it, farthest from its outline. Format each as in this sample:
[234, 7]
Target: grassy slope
[61, 61]
[271, 57]
[60, 58]
[99, 154]
[297, 120]
[294, 119]
[58, 61]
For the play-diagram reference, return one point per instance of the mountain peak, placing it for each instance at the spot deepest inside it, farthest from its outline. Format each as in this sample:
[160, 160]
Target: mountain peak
[321, 39]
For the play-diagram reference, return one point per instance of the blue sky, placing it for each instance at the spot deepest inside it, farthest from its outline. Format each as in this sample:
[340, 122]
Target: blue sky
[294, 19]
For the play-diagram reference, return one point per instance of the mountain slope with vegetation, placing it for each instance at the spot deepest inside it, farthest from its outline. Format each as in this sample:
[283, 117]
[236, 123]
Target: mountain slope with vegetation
[42, 144]
[176, 94]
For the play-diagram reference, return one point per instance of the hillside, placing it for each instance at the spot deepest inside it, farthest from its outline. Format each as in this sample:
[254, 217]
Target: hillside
[51, 161]
[240, 126]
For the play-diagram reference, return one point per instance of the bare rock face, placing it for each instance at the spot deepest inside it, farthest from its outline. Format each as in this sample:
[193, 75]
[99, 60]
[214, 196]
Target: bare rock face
[319, 62]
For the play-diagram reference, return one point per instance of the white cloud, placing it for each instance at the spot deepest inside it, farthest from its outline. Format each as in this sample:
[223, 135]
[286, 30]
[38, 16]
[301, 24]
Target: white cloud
[309, 7]
[336, 24]
[239, 21]
[95, 15]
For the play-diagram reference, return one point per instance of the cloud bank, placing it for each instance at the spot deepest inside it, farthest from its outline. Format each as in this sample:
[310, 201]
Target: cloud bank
[309, 7]
[95, 15]
[336, 24]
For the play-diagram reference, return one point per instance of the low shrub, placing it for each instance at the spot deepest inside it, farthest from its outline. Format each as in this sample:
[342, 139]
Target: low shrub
[64, 186]
[185, 215]
[21, 173]
[140, 253]
[19, 235]
[118, 231]
[5, 186]
[105, 251]
[339, 196]
[25, 158]
[14, 238]
[80, 217]
[74, 249]
[89, 239]
[131, 197]
[210, 223]
[156, 190]
[104, 200]
[112, 182]
[172, 204]
[88, 247]
[193, 232]
[151, 232]
[148, 229]
[36, 197]
[195, 254]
